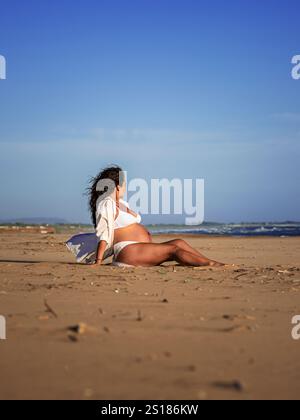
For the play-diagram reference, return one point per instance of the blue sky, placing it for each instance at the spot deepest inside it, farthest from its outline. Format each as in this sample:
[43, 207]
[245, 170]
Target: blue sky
[175, 89]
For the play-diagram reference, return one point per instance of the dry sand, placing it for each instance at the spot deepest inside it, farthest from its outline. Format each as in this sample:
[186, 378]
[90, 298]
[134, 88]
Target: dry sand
[159, 333]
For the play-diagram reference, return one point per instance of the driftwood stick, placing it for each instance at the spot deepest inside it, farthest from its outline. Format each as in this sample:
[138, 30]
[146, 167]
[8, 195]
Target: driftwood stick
[49, 309]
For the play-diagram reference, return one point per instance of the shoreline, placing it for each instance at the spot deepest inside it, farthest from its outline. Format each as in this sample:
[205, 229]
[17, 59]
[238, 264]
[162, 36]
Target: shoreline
[157, 235]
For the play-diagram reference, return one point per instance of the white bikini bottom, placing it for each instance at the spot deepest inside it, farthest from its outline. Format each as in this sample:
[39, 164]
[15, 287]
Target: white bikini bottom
[117, 249]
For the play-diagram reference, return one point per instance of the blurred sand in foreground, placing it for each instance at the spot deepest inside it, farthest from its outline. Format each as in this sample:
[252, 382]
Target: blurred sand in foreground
[77, 332]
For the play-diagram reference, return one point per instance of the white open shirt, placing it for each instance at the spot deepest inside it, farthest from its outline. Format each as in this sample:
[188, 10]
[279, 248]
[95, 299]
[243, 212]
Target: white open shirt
[85, 245]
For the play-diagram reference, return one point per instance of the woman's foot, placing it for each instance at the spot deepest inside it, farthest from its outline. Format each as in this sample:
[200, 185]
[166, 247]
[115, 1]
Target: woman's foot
[216, 264]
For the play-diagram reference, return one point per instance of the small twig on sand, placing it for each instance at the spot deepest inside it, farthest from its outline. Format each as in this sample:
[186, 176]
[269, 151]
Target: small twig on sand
[139, 316]
[49, 309]
[240, 275]
[234, 385]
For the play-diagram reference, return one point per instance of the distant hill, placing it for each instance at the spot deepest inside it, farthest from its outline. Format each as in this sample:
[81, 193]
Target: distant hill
[36, 221]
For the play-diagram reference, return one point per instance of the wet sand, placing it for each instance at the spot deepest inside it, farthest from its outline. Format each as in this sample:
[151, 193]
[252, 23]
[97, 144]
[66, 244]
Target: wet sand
[78, 332]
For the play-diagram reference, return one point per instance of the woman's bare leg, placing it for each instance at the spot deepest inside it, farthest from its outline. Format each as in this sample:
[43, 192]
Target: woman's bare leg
[150, 254]
[185, 245]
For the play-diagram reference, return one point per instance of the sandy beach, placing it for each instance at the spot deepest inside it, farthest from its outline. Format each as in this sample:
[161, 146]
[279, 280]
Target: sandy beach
[169, 332]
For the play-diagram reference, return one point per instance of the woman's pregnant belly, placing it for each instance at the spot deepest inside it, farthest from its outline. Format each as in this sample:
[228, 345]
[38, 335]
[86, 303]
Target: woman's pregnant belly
[135, 232]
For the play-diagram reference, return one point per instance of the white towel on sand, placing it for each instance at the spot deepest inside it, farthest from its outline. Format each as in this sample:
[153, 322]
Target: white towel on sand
[84, 246]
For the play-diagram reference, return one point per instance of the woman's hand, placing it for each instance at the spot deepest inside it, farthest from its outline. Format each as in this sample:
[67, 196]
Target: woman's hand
[96, 264]
[100, 254]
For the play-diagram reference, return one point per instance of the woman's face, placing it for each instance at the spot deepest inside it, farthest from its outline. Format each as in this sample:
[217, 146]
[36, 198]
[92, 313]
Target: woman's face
[122, 190]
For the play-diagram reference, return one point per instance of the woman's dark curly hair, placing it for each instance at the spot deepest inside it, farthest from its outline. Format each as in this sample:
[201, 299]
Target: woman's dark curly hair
[103, 183]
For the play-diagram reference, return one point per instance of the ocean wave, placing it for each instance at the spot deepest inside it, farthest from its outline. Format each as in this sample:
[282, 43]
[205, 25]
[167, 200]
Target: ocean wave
[276, 229]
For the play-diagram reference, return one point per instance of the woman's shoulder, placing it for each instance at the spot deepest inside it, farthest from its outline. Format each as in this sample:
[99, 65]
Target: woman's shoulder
[106, 203]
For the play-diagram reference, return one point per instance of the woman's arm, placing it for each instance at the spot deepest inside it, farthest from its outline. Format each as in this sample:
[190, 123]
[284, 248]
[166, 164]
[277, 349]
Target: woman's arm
[100, 252]
[104, 228]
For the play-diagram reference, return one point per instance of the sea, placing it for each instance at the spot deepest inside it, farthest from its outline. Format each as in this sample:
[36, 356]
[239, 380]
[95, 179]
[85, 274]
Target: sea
[287, 229]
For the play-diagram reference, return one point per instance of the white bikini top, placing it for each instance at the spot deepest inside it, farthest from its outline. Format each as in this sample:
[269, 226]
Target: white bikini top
[124, 218]
[106, 224]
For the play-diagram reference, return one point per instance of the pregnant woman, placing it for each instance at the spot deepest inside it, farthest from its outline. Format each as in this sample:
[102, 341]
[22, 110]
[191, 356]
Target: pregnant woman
[120, 232]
